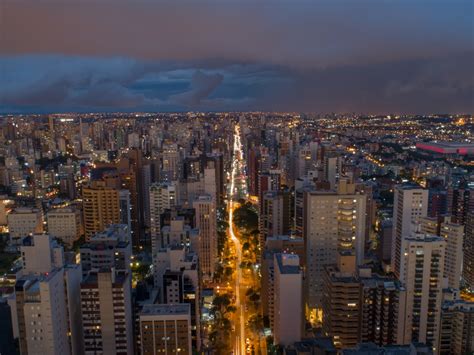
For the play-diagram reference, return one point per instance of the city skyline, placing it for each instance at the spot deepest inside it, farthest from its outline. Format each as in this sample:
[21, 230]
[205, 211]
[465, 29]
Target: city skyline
[236, 177]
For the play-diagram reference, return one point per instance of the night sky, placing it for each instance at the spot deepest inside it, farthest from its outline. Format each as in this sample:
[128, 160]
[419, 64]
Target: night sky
[368, 56]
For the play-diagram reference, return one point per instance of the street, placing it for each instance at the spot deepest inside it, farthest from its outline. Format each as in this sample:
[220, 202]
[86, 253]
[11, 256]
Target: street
[242, 340]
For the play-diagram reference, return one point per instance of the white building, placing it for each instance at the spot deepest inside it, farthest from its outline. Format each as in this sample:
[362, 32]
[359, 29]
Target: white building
[179, 233]
[162, 196]
[24, 221]
[421, 273]
[288, 299]
[42, 314]
[65, 224]
[453, 234]
[410, 205]
[40, 254]
[332, 221]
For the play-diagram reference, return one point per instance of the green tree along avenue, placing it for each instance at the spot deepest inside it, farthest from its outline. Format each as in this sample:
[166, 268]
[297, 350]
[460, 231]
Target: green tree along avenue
[221, 310]
[246, 217]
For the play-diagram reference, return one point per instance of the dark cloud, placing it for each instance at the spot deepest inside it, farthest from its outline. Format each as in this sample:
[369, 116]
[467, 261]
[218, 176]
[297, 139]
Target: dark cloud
[76, 83]
[299, 33]
[338, 55]
[202, 86]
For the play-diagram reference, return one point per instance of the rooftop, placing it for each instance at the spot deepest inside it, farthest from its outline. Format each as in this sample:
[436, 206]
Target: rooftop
[166, 309]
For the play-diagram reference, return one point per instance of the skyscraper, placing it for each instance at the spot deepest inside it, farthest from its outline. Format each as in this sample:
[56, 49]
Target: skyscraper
[468, 252]
[410, 204]
[332, 221]
[206, 220]
[107, 313]
[453, 234]
[42, 314]
[275, 216]
[288, 297]
[421, 273]
[101, 207]
[162, 196]
[166, 329]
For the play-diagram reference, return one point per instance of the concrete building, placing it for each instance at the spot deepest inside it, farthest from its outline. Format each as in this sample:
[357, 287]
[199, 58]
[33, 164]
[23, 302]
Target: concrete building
[101, 207]
[288, 299]
[384, 247]
[457, 328]
[279, 244]
[468, 251]
[275, 216]
[206, 221]
[430, 225]
[380, 299]
[162, 196]
[373, 349]
[42, 314]
[171, 170]
[65, 224]
[178, 233]
[332, 168]
[453, 234]
[107, 313]
[111, 248]
[410, 205]
[332, 221]
[460, 201]
[24, 221]
[421, 273]
[177, 278]
[166, 329]
[40, 254]
[341, 301]
[359, 306]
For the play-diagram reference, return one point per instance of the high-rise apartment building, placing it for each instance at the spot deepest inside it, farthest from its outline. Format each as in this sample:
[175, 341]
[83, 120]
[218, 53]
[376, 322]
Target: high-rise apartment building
[468, 251]
[179, 233]
[24, 221]
[457, 328]
[273, 245]
[162, 196]
[453, 234]
[341, 301]
[170, 162]
[332, 168]
[332, 221]
[111, 248]
[177, 277]
[165, 329]
[101, 208]
[42, 314]
[421, 274]
[275, 216]
[206, 221]
[107, 313]
[40, 254]
[288, 299]
[359, 306]
[460, 201]
[65, 224]
[410, 205]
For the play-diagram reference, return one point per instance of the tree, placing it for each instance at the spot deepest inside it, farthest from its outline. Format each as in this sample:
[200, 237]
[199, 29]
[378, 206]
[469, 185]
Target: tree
[255, 323]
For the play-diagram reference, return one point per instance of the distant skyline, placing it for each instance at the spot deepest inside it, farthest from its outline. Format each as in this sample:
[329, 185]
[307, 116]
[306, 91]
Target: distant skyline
[275, 55]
